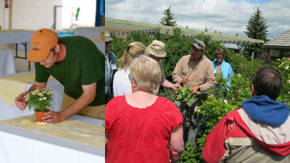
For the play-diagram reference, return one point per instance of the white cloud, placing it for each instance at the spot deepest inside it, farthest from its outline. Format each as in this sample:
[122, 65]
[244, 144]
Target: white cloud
[226, 16]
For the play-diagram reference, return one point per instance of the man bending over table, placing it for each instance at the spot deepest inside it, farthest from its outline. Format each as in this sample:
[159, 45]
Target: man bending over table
[77, 64]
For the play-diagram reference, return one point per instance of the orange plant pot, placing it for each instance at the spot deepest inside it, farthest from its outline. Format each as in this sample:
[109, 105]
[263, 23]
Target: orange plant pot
[38, 116]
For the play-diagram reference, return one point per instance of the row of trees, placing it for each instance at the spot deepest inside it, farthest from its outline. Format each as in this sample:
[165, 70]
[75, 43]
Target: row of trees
[256, 29]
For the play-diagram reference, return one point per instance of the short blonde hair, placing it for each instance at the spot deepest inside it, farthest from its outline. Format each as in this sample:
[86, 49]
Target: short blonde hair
[146, 72]
[133, 50]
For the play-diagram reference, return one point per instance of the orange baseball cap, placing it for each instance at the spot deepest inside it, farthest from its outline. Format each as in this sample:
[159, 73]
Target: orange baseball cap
[40, 44]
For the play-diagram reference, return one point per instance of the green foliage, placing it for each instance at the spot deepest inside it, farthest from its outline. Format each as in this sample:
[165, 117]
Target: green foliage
[255, 48]
[214, 108]
[185, 95]
[240, 90]
[168, 19]
[167, 93]
[118, 45]
[176, 46]
[39, 99]
[283, 65]
[243, 66]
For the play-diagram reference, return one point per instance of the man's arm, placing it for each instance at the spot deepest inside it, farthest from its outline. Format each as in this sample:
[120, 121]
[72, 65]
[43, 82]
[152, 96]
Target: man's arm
[20, 101]
[176, 73]
[231, 72]
[209, 79]
[176, 145]
[214, 149]
[87, 97]
[107, 138]
[168, 84]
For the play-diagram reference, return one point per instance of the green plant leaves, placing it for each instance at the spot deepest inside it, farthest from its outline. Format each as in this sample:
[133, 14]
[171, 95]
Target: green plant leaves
[39, 99]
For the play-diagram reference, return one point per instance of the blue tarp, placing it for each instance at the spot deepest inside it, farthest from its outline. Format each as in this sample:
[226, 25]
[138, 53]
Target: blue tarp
[100, 11]
[64, 34]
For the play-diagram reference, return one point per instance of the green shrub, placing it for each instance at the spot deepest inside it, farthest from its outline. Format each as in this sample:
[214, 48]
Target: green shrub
[283, 65]
[176, 46]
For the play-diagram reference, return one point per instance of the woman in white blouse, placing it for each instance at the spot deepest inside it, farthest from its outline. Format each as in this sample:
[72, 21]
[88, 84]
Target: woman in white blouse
[121, 82]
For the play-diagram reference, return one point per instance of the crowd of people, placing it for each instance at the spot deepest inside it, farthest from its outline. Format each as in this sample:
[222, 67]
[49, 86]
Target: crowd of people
[143, 127]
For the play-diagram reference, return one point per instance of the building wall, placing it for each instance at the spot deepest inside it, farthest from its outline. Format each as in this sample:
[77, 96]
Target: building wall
[4, 15]
[86, 15]
[119, 32]
[35, 14]
[1, 13]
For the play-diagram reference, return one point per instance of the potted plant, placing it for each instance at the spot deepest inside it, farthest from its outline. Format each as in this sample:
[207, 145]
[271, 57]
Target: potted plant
[39, 100]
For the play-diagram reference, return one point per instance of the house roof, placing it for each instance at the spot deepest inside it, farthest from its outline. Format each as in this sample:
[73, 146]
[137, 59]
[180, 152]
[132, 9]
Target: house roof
[140, 26]
[230, 45]
[280, 42]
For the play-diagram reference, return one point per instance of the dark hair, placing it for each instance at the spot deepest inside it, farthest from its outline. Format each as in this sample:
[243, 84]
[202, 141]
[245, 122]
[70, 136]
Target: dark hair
[53, 51]
[220, 52]
[267, 81]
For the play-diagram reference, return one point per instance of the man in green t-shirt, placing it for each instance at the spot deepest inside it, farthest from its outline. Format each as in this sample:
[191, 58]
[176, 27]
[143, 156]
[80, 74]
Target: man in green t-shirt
[77, 64]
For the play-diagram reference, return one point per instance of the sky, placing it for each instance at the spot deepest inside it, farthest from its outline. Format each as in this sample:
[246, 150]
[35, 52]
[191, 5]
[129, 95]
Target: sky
[225, 16]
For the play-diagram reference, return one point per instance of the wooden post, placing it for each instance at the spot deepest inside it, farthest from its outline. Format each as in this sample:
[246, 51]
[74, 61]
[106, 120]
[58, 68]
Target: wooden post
[281, 53]
[253, 54]
[10, 14]
[270, 56]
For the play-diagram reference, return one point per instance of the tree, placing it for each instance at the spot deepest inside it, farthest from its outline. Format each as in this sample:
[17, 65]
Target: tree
[168, 19]
[257, 27]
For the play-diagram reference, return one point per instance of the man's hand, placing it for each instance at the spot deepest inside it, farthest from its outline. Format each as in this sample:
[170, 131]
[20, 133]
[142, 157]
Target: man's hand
[175, 86]
[88, 95]
[52, 117]
[184, 80]
[195, 89]
[20, 101]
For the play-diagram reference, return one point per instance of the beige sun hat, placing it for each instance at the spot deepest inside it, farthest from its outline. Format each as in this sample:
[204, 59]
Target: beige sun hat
[157, 49]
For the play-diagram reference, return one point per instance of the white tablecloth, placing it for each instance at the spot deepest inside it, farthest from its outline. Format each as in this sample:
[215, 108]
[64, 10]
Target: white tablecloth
[18, 145]
[7, 65]
[15, 36]
[7, 112]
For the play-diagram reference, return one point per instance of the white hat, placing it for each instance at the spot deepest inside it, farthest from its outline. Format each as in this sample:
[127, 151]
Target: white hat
[108, 37]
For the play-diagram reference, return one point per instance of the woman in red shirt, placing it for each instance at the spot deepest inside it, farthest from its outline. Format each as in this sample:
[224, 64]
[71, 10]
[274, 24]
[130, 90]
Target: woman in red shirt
[142, 127]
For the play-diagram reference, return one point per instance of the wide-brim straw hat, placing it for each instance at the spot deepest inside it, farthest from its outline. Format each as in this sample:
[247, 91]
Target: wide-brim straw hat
[157, 49]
